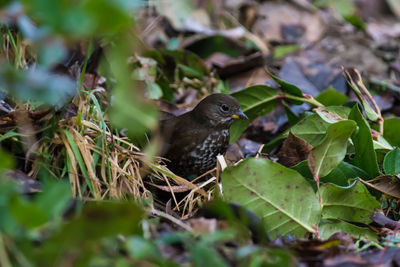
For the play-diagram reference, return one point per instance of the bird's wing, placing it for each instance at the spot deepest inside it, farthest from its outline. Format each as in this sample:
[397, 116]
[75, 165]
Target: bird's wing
[182, 138]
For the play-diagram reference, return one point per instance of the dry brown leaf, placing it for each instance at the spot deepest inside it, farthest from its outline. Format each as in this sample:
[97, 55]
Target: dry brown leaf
[293, 151]
[388, 184]
[273, 15]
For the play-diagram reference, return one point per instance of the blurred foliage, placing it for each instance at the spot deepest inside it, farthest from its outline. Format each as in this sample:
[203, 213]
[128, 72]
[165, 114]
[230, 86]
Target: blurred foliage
[51, 228]
[346, 8]
[37, 85]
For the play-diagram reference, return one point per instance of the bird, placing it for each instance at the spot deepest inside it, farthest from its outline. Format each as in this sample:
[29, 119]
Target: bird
[192, 141]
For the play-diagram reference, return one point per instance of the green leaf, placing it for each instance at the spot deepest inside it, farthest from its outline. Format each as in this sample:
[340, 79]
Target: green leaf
[365, 156]
[154, 91]
[280, 196]
[189, 72]
[217, 44]
[331, 97]
[254, 101]
[90, 17]
[287, 87]
[292, 118]
[382, 145]
[341, 175]
[27, 213]
[6, 160]
[82, 234]
[282, 50]
[130, 109]
[204, 255]
[100, 219]
[391, 163]
[333, 114]
[8, 223]
[391, 131]
[329, 227]
[55, 198]
[188, 63]
[347, 9]
[353, 203]
[312, 129]
[140, 248]
[326, 156]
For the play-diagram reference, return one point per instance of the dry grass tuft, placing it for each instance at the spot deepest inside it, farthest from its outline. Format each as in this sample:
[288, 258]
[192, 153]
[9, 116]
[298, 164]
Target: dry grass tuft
[101, 165]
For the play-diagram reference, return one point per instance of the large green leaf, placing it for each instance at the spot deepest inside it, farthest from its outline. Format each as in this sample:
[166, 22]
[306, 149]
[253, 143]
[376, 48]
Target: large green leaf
[391, 131]
[255, 101]
[330, 227]
[365, 156]
[281, 196]
[326, 156]
[353, 203]
[391, 163]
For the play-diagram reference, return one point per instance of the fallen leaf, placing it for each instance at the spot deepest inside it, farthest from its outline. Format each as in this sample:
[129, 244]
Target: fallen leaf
[293, 151]
[388, 184]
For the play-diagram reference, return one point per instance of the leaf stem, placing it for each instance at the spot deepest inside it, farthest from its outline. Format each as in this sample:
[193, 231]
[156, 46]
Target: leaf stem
[316, 178]
[311, 101]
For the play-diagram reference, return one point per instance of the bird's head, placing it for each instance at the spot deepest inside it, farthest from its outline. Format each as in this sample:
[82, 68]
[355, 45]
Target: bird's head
[219, 110]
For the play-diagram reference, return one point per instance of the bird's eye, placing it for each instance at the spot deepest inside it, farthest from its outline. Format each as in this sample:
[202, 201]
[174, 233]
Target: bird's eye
[224, 107]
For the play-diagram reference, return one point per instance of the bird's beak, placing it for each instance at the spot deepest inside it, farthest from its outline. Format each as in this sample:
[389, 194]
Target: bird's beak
[239, 115]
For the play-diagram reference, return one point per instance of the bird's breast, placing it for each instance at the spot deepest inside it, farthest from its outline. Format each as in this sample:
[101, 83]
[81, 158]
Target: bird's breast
[201, 156]
[204, 155]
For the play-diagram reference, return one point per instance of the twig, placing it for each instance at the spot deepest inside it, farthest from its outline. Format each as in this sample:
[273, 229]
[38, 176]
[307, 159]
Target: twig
[172, 219]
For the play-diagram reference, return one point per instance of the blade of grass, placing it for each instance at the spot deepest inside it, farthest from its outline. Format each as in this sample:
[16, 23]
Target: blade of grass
[72, 168]
[79, 159]
[105, 129]
[83, 146]
[11, 134]
[83, 71]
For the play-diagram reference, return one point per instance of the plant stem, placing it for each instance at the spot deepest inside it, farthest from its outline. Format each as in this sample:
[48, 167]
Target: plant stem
[311, 101]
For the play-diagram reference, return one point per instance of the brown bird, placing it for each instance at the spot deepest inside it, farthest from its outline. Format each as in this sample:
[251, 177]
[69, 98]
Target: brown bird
[193, 140]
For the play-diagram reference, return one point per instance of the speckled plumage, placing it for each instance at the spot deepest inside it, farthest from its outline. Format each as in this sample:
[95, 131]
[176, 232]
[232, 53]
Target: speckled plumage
[193, 140]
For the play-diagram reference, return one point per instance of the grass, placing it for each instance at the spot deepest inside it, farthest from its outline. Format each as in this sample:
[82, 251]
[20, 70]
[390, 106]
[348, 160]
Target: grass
[100, 164]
